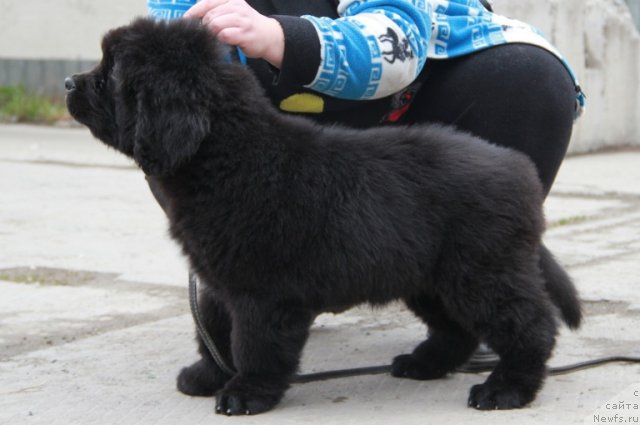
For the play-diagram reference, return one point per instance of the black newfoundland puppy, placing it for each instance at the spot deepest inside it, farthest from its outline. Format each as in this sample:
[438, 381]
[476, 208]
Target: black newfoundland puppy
[283, 219]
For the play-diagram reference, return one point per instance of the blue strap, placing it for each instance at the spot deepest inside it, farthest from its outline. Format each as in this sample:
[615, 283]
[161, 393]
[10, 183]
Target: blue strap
[236, 55]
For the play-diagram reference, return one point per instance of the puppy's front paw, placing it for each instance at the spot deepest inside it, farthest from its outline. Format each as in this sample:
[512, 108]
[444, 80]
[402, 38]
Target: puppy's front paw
[496, 396]
[236, 404]
[407, 366]
[201, 379]
[245, 396]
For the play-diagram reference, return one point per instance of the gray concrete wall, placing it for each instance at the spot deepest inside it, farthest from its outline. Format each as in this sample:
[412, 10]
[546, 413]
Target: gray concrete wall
[40, 76]
[43, 41]
[634, 6]
[603, 46]
[597, 36]
[60, 29]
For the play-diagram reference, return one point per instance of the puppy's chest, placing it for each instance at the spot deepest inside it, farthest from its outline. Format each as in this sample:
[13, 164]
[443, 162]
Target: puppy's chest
[226, 235]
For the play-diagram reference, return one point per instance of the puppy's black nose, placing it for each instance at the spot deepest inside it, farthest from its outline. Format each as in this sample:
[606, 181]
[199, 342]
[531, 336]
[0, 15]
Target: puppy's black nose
[69, 84]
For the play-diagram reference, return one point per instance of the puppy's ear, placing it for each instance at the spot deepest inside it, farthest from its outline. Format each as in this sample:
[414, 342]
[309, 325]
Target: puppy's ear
[170, 125]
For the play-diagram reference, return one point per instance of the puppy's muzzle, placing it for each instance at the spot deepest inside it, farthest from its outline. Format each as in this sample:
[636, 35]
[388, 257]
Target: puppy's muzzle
[69, 84]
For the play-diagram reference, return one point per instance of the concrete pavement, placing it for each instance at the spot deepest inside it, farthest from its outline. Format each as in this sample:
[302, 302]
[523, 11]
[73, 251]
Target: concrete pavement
[94, 322]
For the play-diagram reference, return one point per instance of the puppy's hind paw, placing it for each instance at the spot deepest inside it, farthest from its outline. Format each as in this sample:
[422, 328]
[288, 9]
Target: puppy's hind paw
[490, 396]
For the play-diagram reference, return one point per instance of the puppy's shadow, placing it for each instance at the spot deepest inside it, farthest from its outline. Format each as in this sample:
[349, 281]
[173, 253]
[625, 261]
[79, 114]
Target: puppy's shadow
[361, 337]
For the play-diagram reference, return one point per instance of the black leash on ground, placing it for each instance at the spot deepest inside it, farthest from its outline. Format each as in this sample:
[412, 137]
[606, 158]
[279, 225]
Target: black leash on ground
[484, 362]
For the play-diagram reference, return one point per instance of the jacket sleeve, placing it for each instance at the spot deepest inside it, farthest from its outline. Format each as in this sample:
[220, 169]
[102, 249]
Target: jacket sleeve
[373, 49]
[301, 52]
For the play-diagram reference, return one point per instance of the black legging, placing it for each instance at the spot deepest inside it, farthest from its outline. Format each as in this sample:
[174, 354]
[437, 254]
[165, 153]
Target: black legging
[514, 95]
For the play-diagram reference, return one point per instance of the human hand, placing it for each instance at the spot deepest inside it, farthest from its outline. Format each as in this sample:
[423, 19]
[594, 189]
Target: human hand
[236, 23]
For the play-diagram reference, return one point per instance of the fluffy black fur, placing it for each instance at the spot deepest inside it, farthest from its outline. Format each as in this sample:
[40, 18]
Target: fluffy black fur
[283, 219]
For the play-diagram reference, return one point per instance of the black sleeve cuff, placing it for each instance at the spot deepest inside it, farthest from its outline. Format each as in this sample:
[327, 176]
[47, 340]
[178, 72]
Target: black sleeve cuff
[301, 52]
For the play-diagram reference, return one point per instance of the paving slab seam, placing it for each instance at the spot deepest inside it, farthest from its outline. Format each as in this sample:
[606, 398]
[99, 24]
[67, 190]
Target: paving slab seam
[51, 162]
[596, 223]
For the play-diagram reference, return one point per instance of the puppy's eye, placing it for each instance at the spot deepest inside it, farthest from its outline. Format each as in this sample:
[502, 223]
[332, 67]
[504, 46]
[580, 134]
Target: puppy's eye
[99, 83]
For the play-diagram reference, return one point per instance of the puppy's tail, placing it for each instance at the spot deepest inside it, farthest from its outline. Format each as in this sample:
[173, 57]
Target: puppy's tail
[560, 288]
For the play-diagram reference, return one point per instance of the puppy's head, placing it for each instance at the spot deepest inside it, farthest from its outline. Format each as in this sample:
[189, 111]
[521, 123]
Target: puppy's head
[150, 95]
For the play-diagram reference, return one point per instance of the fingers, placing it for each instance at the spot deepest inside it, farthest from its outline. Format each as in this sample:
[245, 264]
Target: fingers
[221, 23]
[201, 8]
[231, 36]
[219, 14]
[236, 23]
